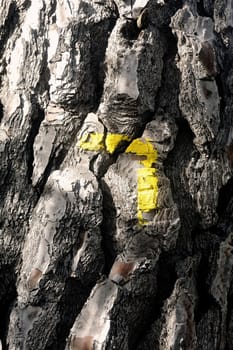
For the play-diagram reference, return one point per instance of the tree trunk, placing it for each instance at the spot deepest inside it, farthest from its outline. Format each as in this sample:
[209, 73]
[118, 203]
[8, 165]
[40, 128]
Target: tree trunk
[116, 143]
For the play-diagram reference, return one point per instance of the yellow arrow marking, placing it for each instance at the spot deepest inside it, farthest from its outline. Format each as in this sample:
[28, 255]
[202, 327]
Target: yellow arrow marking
[147, 185]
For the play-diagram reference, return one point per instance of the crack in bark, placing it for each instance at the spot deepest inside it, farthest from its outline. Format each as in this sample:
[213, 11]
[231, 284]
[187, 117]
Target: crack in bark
[35, 126]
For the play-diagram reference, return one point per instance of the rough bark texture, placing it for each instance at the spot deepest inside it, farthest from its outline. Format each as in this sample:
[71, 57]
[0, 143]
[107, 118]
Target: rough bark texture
[116, 144]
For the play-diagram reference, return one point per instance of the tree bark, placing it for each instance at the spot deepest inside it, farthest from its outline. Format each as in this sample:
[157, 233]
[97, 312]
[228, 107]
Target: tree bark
[116, 143]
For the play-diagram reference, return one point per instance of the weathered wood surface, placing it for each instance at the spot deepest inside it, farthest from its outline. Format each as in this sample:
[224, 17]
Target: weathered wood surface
[116, 150]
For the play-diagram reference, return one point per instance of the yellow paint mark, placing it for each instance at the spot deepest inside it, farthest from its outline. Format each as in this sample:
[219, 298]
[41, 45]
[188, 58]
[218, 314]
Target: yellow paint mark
[147, 192]
[95, 142]
[147, 182]
[113, 140]
[143, 148]
[92, 142]
[147, 186]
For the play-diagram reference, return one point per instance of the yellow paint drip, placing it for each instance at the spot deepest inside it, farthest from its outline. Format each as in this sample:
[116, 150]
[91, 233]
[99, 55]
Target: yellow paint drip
[113, 140]
[147, 186]
[92, 142]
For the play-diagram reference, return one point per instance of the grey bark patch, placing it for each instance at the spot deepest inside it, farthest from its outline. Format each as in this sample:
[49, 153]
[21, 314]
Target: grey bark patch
[101, 245]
